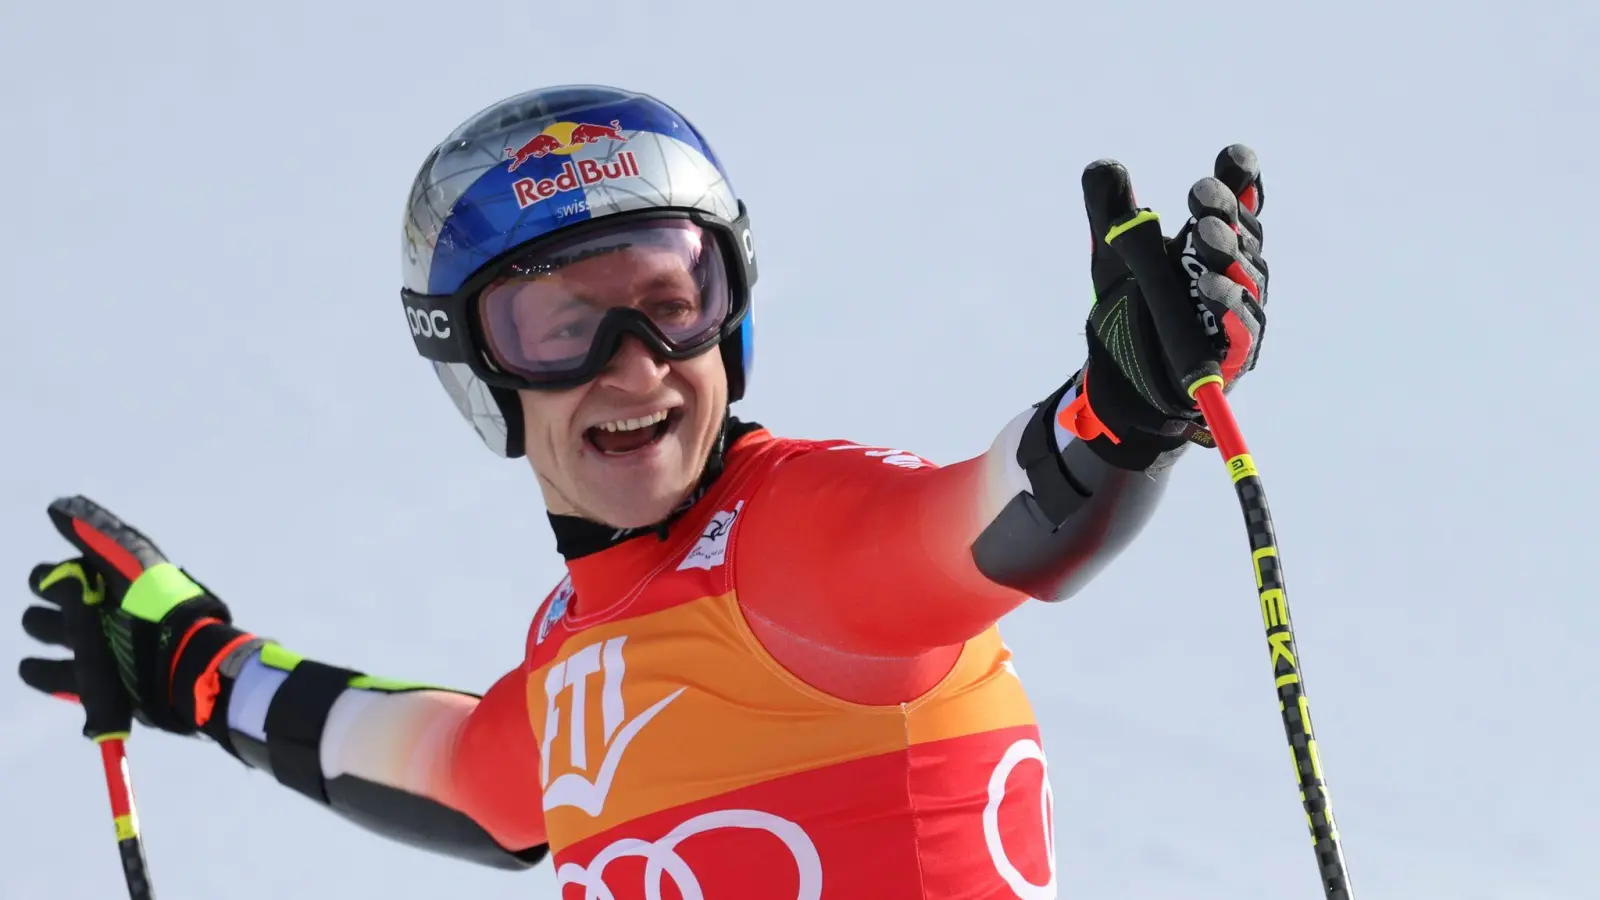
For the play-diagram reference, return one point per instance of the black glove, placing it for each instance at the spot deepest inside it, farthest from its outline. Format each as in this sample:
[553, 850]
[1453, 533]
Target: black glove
[1131, 407]
[145, 637]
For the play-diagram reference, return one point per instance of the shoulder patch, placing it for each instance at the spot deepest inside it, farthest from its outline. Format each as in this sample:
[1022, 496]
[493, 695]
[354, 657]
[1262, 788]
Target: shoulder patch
[556, 609]
[711, 548]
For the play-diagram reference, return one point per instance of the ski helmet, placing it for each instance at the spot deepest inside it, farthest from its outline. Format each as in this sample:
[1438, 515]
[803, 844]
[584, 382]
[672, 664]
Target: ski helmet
[540, 170]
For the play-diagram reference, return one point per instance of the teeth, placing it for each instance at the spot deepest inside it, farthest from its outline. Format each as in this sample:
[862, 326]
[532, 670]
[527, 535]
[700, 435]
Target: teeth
[633, 424]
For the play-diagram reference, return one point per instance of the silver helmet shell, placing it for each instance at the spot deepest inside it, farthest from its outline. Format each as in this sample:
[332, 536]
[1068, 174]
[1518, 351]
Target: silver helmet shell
[528, 167]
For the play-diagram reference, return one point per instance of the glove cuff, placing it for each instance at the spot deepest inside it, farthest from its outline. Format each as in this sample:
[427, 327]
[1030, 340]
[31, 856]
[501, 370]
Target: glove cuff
[1131, 435]
[195, 688]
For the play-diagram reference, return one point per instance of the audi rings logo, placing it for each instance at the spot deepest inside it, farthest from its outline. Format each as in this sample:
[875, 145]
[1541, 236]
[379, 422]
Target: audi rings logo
[426, 323]
[1023, 749]
[661, 858]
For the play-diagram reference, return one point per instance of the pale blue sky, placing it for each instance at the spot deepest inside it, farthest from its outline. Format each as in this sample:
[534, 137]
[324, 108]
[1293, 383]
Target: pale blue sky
[202, 256]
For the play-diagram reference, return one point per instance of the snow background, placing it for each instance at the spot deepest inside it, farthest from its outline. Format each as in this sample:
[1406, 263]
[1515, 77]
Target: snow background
[201, 247]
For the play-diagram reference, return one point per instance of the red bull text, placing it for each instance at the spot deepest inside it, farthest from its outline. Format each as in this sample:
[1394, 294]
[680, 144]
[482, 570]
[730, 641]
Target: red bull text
[574, 175]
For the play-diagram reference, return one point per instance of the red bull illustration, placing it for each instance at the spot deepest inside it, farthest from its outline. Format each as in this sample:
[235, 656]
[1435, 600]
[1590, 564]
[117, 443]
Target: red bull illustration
[563, 138]
[588, 134]
[534, 149]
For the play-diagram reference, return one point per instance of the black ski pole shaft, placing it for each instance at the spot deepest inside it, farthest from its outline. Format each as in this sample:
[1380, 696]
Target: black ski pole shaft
[1138, 240]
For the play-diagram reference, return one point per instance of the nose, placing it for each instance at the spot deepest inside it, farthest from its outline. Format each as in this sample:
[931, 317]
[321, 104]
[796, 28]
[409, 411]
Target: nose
[633, 368]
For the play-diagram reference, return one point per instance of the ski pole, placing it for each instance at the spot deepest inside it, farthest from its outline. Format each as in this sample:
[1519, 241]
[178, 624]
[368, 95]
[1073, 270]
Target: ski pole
[90, 682]
[114, 757]
[124, 816]
[1138, 239]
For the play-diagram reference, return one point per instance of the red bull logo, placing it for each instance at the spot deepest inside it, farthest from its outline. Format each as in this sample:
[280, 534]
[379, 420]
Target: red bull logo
[562, 138]
[586, 172]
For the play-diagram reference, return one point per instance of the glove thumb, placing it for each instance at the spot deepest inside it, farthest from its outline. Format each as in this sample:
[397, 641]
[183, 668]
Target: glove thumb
[1107, 196]
[1107, 199]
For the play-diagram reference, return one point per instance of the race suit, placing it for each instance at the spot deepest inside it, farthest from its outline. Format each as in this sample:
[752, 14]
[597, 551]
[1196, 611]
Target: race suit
[795, 690]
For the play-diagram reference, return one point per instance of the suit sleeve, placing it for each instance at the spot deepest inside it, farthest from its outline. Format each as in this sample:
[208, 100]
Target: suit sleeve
[877, 551]
[442, 770]
[494, 771]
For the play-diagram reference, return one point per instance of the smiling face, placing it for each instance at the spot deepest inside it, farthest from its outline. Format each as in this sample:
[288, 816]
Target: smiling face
[628, 446]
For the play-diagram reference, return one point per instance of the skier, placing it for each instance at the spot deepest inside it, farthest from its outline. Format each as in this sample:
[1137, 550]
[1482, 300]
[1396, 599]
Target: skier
[772, 669]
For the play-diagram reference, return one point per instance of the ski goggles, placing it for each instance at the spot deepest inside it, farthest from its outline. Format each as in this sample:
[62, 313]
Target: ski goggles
[552, 314]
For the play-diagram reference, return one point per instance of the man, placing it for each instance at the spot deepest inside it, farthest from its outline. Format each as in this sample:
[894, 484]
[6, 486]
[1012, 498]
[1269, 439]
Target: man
[773, 668]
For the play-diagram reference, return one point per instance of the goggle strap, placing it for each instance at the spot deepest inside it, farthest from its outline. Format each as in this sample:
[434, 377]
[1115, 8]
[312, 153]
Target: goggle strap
[438, 326]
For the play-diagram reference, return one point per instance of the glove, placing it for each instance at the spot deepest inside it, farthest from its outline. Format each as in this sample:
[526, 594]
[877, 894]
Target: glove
[1130, 406]
[145, 638]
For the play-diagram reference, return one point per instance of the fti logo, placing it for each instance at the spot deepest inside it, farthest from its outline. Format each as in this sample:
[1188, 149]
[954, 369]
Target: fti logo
[563, 139]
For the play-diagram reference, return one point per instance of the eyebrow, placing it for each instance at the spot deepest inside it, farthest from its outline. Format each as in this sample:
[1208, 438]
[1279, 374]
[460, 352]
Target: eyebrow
[672, 279]
[572, 300]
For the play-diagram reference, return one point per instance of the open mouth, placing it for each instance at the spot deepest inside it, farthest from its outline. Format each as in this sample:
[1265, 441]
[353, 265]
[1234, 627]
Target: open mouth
[626, 436]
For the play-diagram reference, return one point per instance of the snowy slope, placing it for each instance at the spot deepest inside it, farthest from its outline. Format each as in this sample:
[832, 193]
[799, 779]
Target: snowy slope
[201, 238]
